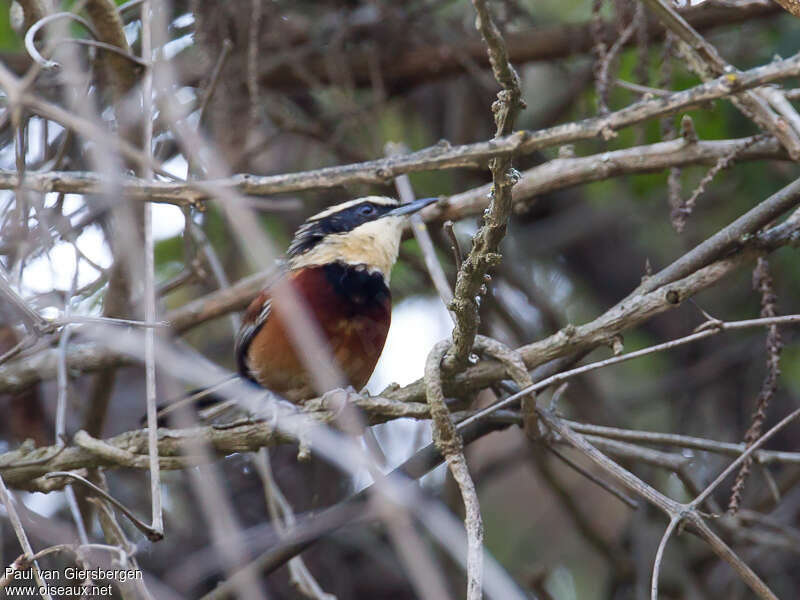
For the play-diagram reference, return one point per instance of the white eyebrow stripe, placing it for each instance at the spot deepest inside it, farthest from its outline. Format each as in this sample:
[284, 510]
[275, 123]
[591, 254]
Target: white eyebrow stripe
[380, 200]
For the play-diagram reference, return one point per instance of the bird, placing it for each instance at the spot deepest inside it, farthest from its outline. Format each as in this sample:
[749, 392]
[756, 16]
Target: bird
[339, 265]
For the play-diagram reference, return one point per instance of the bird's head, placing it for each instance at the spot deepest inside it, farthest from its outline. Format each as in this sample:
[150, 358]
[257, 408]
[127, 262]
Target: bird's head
[362, 232]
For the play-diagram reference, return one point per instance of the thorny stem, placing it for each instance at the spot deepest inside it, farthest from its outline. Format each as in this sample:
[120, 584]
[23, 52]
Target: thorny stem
[762, 282]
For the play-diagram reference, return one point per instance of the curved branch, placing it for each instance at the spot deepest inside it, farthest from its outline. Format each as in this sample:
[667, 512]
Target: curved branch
[30, 36]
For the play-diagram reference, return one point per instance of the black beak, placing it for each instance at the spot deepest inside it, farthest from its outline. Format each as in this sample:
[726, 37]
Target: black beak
[411, 207]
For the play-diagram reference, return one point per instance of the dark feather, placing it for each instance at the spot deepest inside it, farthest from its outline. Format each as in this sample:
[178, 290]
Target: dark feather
[254, 318]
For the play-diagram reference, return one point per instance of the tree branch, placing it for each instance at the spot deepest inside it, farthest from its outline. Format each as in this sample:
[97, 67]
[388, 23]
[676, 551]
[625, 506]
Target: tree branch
[381, 171]
[707, 63]
[555, 174]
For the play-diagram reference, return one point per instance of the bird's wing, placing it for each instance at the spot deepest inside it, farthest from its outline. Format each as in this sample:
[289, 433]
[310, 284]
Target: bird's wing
[254, 318]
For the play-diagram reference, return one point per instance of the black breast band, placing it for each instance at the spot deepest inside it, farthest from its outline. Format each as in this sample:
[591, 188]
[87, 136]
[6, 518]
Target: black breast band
[357, 286]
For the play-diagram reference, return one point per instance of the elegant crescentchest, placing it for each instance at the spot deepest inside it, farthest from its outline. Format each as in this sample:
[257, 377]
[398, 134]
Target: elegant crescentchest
[340, 264]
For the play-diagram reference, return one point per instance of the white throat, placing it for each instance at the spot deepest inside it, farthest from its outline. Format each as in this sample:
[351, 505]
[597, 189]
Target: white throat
[373, 245]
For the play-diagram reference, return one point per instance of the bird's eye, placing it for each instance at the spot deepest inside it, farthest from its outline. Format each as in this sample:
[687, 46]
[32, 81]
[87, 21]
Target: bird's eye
[367, 210]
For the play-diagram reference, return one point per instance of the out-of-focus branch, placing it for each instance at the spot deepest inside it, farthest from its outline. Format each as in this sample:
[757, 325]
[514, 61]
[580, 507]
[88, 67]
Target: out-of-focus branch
[282, 516]
[22, 538]
[43, 365]
[19, 97]
[32, 10]
[88, 357]
[792, 6]
[429, 62]
[353, 509]
[108, 23]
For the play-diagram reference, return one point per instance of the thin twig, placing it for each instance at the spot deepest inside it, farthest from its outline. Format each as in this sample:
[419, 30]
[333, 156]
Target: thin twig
[22, 537]
[30, 36]
[706, 62]
[682, 210]
[683, 441]
[744, 456]
[609, 58]
[61, 406]
[152, 534]
[667, 505]
[454, 245]
[673, 523]
[621, 496]
[282, 516]
[716, 327]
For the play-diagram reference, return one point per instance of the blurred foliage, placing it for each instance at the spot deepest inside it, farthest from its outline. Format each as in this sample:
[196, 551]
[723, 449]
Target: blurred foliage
[9, 40]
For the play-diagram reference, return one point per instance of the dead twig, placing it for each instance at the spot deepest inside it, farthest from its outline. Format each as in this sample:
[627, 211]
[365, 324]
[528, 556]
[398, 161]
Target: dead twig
[762, 282]
[152, 534]
[704, 59]
[471, 280]
[22, 537]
